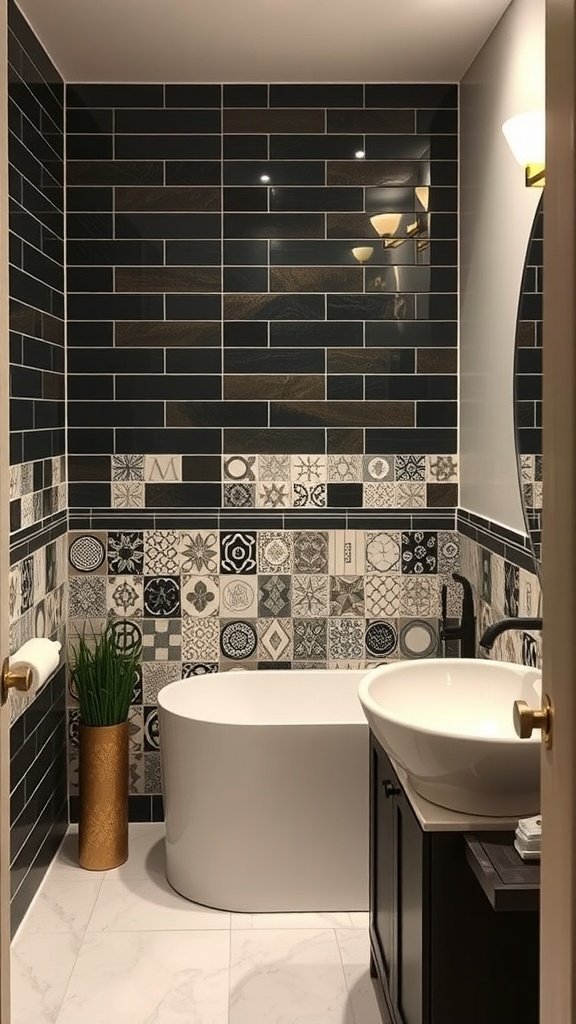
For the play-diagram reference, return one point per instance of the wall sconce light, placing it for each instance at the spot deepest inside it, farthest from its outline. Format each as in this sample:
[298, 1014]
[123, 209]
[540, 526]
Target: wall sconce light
[526, 136]
[386, 225]
[362, 253]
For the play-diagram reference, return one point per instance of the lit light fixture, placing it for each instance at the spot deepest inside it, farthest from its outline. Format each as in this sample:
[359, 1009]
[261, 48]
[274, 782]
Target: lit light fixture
[526, 136]
[362, 253]
[359, 154]
[265, 178]
[423, 195]
[386, 225]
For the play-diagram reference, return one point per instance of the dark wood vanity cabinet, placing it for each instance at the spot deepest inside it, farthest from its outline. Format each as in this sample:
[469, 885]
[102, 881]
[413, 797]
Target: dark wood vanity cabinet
[440, 954]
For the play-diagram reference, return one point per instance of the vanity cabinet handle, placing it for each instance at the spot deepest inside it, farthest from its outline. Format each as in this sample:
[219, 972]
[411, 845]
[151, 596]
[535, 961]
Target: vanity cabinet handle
[390, 789]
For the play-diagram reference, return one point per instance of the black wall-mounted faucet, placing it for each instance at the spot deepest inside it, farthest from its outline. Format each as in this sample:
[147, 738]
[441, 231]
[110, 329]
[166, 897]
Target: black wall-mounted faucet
[465, 631]
[496, 630]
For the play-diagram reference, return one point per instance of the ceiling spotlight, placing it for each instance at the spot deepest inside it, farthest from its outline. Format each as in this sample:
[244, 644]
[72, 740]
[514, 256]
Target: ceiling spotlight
[265, 178]
[359, 154]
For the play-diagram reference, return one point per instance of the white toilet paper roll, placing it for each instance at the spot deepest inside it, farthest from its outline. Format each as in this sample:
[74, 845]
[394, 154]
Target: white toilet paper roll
[42, 655]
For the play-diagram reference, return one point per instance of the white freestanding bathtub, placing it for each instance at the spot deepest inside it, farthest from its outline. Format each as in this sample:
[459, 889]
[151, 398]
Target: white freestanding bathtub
[265, 777]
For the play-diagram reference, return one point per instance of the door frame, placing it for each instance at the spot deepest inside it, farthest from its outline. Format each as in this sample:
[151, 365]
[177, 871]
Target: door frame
[4, 530]
[558, 894]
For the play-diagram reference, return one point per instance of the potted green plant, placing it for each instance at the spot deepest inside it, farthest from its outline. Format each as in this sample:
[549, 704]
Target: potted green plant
[103, 674]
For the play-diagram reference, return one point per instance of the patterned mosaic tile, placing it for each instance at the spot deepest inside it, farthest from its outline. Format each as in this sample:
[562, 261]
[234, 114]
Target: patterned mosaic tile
[200, 595]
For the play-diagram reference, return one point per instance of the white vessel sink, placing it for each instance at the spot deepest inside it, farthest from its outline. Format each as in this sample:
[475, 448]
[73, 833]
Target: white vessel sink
[448, 723]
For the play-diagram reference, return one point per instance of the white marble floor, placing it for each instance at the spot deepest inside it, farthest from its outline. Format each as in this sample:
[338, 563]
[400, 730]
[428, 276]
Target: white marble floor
[121, 947]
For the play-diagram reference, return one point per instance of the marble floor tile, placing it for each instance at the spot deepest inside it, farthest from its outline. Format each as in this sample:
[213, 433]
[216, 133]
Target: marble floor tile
[360, 918]
[354, 946]
[146, 853]
[175, 977]
[65, 863]
[63, 905]
[272, 921]
[145, 904]
[287, 977]
[40, 972]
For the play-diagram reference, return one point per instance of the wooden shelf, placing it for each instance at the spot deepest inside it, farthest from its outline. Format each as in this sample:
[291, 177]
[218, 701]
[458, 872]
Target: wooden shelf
[508, 882]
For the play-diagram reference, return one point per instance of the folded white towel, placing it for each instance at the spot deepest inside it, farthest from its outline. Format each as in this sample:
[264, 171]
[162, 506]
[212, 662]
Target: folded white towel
[530, 828]
[526, 854]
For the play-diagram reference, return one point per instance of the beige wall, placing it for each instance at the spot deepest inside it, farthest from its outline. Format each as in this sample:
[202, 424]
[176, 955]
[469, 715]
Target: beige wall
[496, 212]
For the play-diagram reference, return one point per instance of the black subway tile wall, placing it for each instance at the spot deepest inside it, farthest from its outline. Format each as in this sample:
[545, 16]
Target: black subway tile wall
[528, 383]
[38, 499]
[259, 270]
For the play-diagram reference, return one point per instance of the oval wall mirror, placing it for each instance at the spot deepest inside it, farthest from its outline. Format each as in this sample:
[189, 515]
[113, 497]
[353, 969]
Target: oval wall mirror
[528, 387]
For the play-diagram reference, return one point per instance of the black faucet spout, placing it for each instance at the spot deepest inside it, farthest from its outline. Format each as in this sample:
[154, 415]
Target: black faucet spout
[493, 632]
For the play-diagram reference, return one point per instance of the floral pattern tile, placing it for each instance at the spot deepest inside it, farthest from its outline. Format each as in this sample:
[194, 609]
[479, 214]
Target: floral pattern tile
[346, 595]
[274, 596]
[199, 552]
[200, 595]
[275, 551]
[161, 552]
[310, 596]
[126, 553]
[310, 639]
[125, 595]
[311, 552]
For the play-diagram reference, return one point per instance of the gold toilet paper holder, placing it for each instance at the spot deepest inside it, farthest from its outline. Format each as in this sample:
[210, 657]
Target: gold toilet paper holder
[18, 678]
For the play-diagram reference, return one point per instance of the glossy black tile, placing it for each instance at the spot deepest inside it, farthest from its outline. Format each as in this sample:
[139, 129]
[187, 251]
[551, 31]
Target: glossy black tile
[412, 95]
[440, 122]
[415, 386]
[275, 172]
[344, 495]
[216, 414]
[320, 199]
[94, 387]
[193, 307]
[274, 225]
[167, 279]
[201, 467]
[237, 333]
[89, 225]
[193, 172]
[83, 121]
[183, 333]
[249, 252]
[86, 333]
[436, 414]
[370, 307]
[245, 279]
[167, 122]
[245, 147]
[347, 386]
[192, 252]
[341, 414]
[116, 414]
[412, 334]
[370, 360]
[115, 96]
[90, 279]
[89, 495]
[315, 147]
[195, 360]
[320, 334]
[193, 95]
[167, 147]
[116, 360]
[95, 199]
[168, 386]
[427, 441]
[109, 252]
[115, 307]
[245, 95]
[167, 225]
[384, 121]
[249, 199]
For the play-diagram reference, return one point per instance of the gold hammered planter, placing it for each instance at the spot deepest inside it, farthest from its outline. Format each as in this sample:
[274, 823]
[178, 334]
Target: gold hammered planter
[103, 824]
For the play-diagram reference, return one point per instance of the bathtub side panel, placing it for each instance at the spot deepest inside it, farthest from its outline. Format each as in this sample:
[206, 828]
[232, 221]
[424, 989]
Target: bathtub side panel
[267, 818]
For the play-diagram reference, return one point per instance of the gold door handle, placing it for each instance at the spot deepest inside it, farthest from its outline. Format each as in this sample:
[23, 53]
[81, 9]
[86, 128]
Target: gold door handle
[18, 678]
[526, 719]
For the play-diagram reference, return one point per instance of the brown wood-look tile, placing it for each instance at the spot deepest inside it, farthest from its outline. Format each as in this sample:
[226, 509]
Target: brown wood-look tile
[437, 360]
[370, 360]
[316, 279]
[350, 225]
[274, 441]
[345, 442]
[142, 334]
[267, 387]
[269, 121]
[270, 306]
[168, 279]
[441, 495]
[381, 122]
[168, 198]
[342, 414]
[374, 172]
